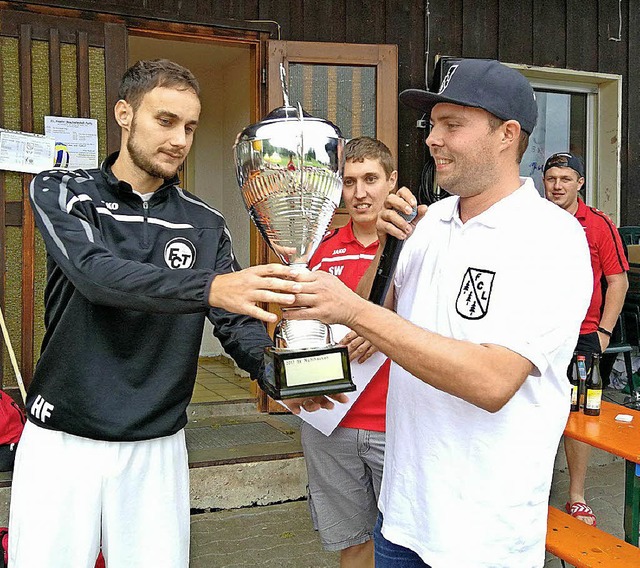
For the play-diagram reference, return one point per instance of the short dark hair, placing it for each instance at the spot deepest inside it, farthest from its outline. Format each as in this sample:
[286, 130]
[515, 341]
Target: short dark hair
[364, 147]
[523, 141]
[144, 76]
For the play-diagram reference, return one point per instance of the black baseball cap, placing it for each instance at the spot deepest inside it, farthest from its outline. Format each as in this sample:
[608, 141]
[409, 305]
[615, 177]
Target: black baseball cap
[485, 84]
[565, 160]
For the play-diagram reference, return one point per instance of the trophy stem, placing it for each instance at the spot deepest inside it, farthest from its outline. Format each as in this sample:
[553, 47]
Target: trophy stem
[302, 334]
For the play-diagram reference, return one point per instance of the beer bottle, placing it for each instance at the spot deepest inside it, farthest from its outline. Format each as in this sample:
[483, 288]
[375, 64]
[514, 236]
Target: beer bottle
[581, 365]
[593, 398]
[572, 374]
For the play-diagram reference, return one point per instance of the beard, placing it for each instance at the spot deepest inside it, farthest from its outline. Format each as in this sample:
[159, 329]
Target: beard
[471, 176]
[143, 160]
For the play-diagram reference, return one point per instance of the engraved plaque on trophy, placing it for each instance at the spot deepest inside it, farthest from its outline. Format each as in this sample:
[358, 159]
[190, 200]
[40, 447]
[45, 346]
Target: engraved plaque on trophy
[289, 169]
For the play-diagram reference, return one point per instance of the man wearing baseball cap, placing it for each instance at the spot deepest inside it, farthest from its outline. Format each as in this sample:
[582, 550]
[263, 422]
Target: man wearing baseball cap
[563, 178]
[478, 393]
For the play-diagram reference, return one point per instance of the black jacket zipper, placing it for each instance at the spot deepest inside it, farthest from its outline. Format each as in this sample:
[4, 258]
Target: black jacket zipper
[145, 233]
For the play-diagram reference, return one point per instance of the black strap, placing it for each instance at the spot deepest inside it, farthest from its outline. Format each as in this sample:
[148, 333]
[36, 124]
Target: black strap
[605, 331]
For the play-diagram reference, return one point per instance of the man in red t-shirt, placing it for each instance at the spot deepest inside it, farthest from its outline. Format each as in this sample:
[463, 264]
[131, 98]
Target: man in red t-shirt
[563, 178]
[345, 468]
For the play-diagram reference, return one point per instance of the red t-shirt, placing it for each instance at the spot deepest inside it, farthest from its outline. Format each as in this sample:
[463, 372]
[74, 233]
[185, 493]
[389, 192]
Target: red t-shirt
[342, 255]
[607, 257]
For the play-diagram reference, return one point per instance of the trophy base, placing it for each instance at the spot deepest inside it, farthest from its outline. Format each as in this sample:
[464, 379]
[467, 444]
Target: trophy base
[308, 372]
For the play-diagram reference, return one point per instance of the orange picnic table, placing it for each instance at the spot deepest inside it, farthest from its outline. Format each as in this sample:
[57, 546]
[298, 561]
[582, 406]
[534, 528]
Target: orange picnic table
[621, 439]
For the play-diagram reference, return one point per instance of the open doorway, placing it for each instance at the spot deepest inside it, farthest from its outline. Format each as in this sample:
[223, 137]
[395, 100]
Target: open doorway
[224, 73]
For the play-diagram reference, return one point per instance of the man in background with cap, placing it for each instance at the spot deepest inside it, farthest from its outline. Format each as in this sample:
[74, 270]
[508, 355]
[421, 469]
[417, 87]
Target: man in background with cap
[478, 391]
[563, 178]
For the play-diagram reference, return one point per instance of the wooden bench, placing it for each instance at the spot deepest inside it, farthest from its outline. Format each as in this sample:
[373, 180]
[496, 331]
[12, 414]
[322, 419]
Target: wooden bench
[585, 546]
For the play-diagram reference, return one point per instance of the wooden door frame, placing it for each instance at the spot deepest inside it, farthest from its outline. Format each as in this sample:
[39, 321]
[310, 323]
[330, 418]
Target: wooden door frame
[383, 57]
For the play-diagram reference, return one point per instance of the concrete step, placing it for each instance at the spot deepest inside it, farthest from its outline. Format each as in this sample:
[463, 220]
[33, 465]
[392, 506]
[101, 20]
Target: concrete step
[242, 458]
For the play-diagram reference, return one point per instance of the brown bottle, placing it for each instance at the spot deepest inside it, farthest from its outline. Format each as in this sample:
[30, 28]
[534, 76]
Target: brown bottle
[581, 370]
[593, 399]
[574, 380]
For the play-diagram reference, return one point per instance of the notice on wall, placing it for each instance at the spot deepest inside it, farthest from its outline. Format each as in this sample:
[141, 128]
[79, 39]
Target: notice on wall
[26, 152]
[78, 137]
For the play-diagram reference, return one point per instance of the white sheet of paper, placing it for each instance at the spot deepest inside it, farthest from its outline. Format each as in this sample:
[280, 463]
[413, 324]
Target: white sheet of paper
[326, 420]
[25, 151]
[80, 135]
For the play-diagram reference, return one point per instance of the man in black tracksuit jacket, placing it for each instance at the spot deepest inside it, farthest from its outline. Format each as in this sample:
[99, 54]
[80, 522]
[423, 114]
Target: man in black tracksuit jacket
[126, 295]
[135, 264]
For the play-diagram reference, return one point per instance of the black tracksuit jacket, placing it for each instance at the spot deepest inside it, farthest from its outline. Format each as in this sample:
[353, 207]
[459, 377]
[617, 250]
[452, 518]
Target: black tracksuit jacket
[126, 298]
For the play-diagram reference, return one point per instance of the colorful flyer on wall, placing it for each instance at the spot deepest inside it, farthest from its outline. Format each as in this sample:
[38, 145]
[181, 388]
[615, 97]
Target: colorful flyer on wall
[77, 136]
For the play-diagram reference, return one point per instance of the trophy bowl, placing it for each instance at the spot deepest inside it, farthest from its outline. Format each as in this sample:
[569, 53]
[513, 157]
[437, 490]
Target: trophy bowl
[289, 170]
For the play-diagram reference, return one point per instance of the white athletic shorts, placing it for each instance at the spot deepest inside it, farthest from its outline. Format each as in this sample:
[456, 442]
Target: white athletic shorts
[70, 494]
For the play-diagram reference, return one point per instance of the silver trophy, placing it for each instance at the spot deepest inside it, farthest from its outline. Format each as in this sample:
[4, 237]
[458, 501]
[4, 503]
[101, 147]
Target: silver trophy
[289, 169]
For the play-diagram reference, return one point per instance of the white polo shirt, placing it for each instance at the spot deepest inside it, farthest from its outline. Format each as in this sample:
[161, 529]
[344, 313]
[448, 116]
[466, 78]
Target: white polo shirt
[464, 487]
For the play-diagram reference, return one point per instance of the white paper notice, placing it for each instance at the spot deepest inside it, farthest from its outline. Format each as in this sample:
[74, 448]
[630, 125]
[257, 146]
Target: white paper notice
[79, 135]
[25, 152]
[326, 420]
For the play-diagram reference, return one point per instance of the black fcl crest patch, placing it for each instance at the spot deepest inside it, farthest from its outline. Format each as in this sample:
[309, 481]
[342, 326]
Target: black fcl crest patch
[180, 253]
[475, 293]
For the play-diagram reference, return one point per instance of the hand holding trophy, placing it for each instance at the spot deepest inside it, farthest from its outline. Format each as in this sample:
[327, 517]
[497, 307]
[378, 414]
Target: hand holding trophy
[289, 169]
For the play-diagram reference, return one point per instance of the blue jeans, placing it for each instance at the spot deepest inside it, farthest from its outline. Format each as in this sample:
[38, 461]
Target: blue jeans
[389, 555]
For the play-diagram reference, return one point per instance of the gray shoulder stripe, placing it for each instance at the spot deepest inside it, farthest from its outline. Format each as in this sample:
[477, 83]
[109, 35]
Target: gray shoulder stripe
[47, 222]
[63, 192]
[208, 208]
[66, 207]
[87, 230]
[226, 232]
[182, 194]
[63, 196]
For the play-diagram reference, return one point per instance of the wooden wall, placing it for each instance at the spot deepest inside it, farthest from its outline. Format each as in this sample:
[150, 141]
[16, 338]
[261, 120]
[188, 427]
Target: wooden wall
[577, 34]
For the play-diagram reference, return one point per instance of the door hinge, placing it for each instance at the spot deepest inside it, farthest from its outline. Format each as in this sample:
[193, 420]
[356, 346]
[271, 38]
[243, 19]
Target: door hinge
[264, 75]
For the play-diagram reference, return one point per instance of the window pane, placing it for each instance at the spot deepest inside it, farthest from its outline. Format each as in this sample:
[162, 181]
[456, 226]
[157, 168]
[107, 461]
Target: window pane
[561, 127]
[345, 95]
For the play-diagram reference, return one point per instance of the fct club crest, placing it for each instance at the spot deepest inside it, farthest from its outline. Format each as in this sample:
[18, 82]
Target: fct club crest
[179, 253]
[475, 293]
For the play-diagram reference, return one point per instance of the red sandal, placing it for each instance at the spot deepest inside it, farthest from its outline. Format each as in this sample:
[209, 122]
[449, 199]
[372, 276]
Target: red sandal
[580, 510]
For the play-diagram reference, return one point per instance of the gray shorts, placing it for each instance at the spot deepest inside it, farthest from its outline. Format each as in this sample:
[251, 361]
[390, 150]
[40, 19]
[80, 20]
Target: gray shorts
[345, 472]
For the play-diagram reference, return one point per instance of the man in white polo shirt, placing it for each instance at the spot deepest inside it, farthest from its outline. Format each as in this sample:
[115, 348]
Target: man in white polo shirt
[478, 392]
